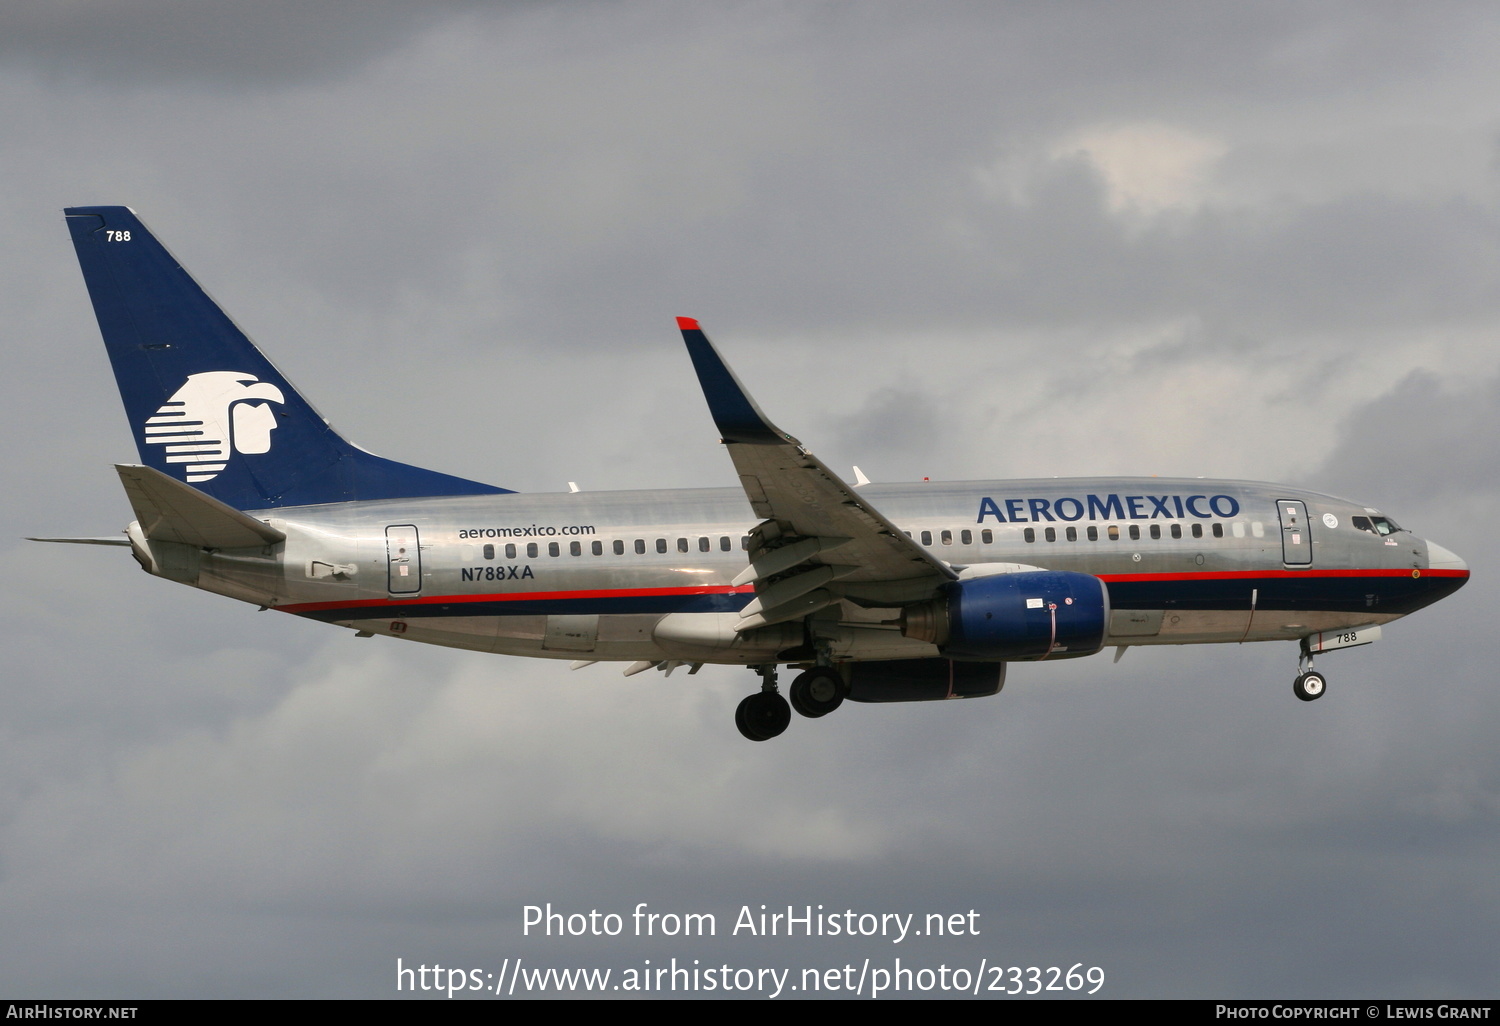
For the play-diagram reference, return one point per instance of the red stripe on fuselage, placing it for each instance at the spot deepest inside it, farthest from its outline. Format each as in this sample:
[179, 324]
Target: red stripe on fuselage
[516, 596]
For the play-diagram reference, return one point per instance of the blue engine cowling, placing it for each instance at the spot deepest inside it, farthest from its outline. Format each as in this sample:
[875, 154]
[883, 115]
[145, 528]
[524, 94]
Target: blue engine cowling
[922, 680]
[1041, 614]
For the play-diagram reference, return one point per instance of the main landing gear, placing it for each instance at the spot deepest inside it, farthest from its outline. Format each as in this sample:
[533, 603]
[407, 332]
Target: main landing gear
[765, 714]
[818, 692]
[1310, 684]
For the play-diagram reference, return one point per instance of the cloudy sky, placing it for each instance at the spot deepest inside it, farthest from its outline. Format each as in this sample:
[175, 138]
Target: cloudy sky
[956, 240]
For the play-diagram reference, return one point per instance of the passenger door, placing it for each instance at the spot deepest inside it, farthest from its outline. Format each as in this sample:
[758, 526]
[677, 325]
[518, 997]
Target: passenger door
[1296, 532]
[403, 559]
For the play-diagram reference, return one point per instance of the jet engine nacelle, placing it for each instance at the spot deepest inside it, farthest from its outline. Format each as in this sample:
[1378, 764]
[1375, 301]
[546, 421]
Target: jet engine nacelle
[923, 680]
[1035, 615]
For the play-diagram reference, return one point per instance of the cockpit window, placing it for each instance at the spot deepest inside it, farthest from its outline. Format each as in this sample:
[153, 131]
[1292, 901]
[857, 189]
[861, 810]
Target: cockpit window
[1376, 525]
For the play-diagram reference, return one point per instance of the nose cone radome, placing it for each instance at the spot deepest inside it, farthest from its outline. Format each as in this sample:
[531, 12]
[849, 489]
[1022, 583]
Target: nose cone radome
[1439, 558]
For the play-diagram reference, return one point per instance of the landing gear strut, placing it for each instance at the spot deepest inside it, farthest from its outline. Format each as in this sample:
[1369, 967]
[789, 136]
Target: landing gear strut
[1309, 684]
[765, 714]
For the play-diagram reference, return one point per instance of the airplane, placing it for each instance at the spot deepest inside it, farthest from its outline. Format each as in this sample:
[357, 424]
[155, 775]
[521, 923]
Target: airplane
[873, 592]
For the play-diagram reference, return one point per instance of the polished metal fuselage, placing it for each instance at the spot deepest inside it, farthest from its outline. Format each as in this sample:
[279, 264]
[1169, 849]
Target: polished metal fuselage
[647, 575]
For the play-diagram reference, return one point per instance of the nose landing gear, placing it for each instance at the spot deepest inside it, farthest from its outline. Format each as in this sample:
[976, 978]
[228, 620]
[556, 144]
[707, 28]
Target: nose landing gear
[1310, 684]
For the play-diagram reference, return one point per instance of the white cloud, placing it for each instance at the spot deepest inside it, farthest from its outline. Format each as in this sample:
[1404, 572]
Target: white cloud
[1148, 167]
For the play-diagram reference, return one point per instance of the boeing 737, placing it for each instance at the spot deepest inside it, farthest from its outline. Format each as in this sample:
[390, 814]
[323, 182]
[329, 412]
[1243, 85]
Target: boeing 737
[874, 593]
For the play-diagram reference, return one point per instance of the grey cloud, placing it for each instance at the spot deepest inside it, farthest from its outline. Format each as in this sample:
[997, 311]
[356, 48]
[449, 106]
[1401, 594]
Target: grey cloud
[1426, 442]
[275, 45]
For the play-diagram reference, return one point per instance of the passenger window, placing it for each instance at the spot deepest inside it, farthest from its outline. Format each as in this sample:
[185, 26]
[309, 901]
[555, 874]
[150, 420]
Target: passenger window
[661, 545]
[1029, 534]
[1052, 534]
[724, 543]
[1114, 533]
[1197, 530]
[1155, 531]
[966, 537]
[1176, 530]
[1135, 532]
[489, 552]
[947, 537]
[926, 537]
[552, 549]
[1237, 528]
[640, 546]
[510, 551]
[987, 536]
[576, 548]
[1093, 533]
[682, 545]
[1218, 530]
[531, 550]
[619, 547]
[703, 544]
[1258, 529]
[1072, 534]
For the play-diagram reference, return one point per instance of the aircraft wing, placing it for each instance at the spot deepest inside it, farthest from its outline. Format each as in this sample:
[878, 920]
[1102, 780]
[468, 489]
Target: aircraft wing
[815, 529]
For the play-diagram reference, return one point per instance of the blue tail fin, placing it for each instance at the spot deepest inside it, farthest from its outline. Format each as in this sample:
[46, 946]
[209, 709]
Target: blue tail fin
[205, 405]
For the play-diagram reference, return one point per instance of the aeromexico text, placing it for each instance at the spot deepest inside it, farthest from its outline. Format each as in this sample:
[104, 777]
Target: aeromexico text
[1109, 507]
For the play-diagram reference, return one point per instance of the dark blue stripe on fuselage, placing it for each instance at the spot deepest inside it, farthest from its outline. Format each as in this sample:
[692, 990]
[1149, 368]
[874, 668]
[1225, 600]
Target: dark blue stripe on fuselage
[1390, 595]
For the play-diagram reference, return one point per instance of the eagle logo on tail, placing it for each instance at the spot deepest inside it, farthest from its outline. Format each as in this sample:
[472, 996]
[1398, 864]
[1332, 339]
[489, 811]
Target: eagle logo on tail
[212, 415]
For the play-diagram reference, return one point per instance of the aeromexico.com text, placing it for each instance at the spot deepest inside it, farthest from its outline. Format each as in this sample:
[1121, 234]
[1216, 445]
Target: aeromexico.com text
[1109, 507]
[533, 531]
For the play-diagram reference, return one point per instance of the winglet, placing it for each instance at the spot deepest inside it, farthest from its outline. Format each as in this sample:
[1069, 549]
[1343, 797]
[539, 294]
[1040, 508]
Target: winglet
[735, 413]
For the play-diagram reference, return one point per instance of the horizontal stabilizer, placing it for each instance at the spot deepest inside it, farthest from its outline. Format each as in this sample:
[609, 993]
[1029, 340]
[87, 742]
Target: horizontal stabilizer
[118, 539]
[169, 510]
